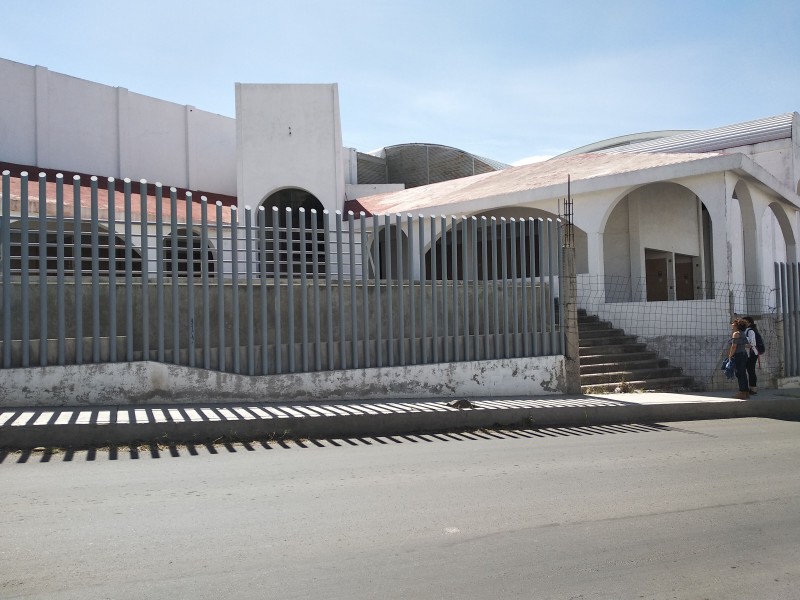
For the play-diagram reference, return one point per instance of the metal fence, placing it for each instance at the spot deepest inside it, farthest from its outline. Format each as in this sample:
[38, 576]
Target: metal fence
[111, 274]
[787, 280]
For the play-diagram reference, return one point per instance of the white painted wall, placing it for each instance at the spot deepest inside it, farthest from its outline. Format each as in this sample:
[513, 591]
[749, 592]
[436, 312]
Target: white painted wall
[55, 121]
[289, 136]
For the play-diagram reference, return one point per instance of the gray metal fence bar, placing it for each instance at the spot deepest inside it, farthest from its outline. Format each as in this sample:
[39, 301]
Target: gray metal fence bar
[514, 289]
[485, 285]
[794, 301]
[434, 299]
[351, 233]
[445, 314]
[326, 226]
[250, 317]
[220, 269]
[453, 245]
[780, 298]
[526, 346]
[551, 292]
[304, 289]
[145, 287]
[401, 334]
[95, 240]
[422, 290]
[25, 270]
[389, 274]
[42, 270]
[317, 307]
[560, 253]
[160, 341]
[173, 238]
[534, 267]
[504, 262]
[541, 339]
[412, 313]
[276, 286]
[365, 287]
[191, 320]
[495, 292]
[290, 305]
[112, 268]
[465, 281]
[476, 320]
[262, 259]
[235, 314]
[128, 272]
[77, 268]
[5, 229]
[376, 265]
[340, 292]
[60, 301]
[204, 276]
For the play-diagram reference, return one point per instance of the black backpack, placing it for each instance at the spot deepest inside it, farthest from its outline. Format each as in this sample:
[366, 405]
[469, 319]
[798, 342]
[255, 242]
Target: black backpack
[759, 341]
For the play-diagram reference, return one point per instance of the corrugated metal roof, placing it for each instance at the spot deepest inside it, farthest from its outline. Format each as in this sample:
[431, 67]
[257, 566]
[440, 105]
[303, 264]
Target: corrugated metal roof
[721, 138]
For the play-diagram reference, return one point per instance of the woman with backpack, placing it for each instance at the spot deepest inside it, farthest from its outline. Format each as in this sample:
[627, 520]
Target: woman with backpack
[738, 354]
[756, 348]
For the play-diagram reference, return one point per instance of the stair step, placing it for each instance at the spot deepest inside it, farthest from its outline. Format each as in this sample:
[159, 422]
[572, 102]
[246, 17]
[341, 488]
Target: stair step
[598, 333]
[659, 385]
[627, 363]
[596, 359]
[631, 375]
[616, 348]
[609, 340]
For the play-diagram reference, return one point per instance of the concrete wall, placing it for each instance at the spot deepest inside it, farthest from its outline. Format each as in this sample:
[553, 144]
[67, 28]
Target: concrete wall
[289, 136]
[55, 121]
[143, 382]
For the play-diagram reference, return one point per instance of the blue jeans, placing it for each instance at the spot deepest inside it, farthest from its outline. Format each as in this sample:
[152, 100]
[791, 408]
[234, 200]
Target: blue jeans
[740, 362]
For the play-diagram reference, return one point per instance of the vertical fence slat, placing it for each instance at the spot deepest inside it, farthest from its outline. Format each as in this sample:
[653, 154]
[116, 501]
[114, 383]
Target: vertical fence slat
[174, 275]
[485, 285]
[365, 288]
[111, 217]
[43, 330]
[191, 319]
[77, 268]
[453, 246]
[290, 304]
[523, 269]
[542, 332]
[422, 290]
[317, 307]
[276, 286]
[514, 289]
[220, 271]
[465, 281]
[434, 294]
[129, 346]
[376, 265]
[412, 312]
[204, 282]
[160, 342]
[145, 287]
[387, 228]
[401, 334]
[560, 255]
[262, 271]
[250, 318]
[351, 242]
[340, 293]
[95, 240]
[235, 313]
[504, 262]
[326, 225]
[61, 326]
[25, 270]
[551, 292]
[476, 330]
[495, 292]
[5, 230]
[445, 279]
[304, 289]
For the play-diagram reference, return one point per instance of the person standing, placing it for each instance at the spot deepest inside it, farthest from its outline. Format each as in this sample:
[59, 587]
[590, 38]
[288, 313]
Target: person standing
[752, 355]
[738, 353]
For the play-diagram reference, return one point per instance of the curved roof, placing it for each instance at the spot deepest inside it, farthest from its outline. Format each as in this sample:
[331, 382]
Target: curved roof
[721, 138]
[623, 140]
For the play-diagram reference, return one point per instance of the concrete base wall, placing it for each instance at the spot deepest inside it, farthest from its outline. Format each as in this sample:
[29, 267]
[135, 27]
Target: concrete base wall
[144, 382]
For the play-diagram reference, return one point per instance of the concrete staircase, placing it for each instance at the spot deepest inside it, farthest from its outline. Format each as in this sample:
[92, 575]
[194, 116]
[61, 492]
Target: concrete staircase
[613, 361]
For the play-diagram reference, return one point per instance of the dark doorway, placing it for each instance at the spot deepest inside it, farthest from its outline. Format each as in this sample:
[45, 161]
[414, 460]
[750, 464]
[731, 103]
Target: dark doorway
[657, 276]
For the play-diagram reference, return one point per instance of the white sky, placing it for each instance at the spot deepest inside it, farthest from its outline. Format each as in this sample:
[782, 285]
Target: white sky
[506, 79]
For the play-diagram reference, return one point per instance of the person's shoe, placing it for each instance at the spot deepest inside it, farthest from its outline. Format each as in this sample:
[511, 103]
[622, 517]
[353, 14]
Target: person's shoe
[753, 391]
[741, 396]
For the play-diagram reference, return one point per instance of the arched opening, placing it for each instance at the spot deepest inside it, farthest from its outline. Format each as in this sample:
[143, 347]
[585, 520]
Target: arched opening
[297, 212]
[657, 246]
[387, 252]
[179, 260]
[43, 250]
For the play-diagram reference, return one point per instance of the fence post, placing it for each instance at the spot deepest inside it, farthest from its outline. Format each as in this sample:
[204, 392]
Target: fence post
[5, 256]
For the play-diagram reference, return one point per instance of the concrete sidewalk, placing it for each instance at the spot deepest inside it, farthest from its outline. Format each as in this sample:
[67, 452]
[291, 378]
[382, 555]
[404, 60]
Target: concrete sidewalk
[26, 428]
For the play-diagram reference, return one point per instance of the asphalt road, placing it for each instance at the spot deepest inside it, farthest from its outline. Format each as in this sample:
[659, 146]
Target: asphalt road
[706, 509]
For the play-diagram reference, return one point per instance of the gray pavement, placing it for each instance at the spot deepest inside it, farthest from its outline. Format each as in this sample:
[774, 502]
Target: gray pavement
[26, 428]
